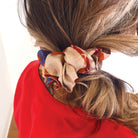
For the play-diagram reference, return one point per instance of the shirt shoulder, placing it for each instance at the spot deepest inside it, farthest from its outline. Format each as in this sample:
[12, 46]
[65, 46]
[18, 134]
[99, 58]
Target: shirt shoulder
[25, 94]
[29, 72]
[115, 129]
[31, 67]
[27, 80]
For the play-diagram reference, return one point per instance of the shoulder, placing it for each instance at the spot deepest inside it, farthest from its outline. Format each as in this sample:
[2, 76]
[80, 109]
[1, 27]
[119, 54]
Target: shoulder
[26, 82]
[32, 66]
[29, 71]
[115, 129]
[25, 93]
[28, 75]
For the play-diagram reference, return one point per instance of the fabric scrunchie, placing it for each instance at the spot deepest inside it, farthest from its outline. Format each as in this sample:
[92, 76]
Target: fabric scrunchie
[62, 68]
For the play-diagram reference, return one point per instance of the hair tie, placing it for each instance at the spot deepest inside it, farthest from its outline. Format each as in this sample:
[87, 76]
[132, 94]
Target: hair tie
[62, 68]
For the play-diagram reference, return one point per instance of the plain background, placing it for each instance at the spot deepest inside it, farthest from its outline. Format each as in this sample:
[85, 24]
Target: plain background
[16, 51]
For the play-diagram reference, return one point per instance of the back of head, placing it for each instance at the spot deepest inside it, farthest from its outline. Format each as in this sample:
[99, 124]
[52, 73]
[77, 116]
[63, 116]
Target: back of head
[56, 24]
[84, 23]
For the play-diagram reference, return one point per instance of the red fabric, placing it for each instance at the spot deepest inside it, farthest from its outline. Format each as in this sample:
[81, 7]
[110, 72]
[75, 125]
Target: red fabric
[39, 115]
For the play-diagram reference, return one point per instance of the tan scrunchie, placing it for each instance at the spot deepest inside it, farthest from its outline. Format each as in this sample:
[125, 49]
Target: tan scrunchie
[63, 67]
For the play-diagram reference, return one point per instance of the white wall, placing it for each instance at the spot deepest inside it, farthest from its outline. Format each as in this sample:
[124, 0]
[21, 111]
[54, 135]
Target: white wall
[18, 45]
[5, 94]
[123, 67]
[16, 51]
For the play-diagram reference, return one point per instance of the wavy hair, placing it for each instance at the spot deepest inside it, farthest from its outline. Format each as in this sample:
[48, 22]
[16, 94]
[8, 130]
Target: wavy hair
[56, 24]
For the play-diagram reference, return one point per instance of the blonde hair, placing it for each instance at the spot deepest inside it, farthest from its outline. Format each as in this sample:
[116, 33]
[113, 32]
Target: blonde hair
[56, 24]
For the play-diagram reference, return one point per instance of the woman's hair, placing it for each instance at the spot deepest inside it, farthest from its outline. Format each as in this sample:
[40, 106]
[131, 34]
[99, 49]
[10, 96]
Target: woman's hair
[56, 24]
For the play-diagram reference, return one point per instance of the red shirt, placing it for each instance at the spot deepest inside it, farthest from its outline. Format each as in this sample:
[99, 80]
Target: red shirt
[39, 115]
